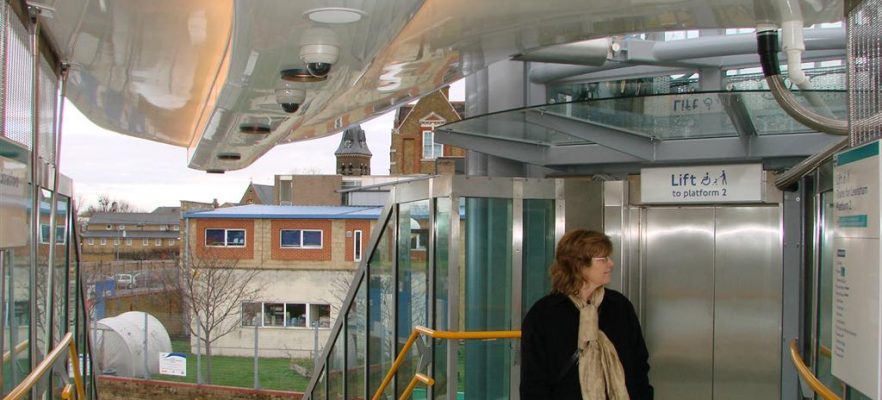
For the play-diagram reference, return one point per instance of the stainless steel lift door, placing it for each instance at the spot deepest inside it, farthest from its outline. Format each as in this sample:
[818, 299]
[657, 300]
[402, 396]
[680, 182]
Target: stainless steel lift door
[712, 311]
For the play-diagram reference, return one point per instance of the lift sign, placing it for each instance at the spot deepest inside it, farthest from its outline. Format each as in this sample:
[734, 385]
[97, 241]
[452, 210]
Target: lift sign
[702, 184]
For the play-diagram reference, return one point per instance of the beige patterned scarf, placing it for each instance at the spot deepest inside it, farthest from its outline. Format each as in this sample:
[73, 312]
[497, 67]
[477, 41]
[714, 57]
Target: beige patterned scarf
[600, 371]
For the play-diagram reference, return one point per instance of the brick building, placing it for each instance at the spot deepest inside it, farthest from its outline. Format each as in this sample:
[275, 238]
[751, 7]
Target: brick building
[353, 156]
[132, 236]
[306, 256]
[257, 194]
[414, 150]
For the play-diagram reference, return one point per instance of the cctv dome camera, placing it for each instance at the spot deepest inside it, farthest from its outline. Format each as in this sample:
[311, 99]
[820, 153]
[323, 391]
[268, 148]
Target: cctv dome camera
[319, 48]
[290, 99]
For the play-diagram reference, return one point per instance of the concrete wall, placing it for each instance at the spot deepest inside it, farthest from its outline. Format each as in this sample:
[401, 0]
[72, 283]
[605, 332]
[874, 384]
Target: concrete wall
[115, 388]
[278, 286]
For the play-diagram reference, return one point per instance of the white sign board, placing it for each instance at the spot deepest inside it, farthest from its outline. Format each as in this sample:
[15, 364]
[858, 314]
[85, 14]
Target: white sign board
[173, 364]
[857, 356]
[702, 184]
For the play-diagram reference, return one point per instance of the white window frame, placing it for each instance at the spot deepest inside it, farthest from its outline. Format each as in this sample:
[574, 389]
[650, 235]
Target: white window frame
[145, 242]
[310, 310]
[121, 228]
[104, 242]
[176, 228]
[226, 237]
[157, 242]
[437, 148]
[301, 246]
[91, 242]
[357, 249]
[171, 242]
[128, 242]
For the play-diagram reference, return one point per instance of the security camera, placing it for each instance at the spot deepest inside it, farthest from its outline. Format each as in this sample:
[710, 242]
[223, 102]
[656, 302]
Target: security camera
[290, 99]
[319, 48]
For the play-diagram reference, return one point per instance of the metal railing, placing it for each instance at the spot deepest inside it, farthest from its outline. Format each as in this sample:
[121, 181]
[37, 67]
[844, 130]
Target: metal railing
[807, 376]
[24, 388]
[431, 333]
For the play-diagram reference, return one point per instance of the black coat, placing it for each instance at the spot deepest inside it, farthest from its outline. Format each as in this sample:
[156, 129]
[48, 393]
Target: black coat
[548, 341]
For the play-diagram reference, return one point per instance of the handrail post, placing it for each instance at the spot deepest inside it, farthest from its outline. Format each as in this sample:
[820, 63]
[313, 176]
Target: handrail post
[398, 360]
[75, 364]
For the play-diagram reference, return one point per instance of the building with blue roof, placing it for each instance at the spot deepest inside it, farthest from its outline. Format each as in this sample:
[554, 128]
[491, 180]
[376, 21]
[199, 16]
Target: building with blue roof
[306, 256]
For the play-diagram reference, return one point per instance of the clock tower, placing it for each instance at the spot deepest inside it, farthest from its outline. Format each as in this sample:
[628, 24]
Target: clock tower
[353, 156]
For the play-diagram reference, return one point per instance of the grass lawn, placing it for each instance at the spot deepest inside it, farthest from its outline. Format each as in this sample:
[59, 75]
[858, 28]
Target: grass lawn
[274, 373]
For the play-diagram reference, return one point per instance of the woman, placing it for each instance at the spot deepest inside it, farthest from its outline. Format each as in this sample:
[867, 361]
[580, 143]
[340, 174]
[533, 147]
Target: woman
[583, 341]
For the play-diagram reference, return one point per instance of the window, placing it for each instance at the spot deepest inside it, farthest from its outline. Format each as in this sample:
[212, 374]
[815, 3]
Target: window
[431, 150]
[287, 315]
[145, 242]
[103, 242]
[121, 228]
[109, 227]
[91, 242]
[356, 246]
[158, 242]
[163, 228]
[176, 228]
[225, 237]
[44, 234]
[274, 314]
[116, 242]
[297, 238]
[171, 242]
[128, 242]
[419, 238]
[251, 314]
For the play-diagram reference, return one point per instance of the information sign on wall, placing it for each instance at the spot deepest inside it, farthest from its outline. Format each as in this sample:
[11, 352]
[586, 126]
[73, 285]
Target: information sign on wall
[173, 364]
[702, 184]
[856, 353]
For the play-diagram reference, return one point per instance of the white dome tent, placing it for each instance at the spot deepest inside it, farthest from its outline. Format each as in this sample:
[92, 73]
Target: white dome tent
[119, 344]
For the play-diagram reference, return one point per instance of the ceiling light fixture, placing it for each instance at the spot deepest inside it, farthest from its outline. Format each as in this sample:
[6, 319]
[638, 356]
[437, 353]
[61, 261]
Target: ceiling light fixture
[334, 15]
[229, 156]
[300, 75]
[254, 128]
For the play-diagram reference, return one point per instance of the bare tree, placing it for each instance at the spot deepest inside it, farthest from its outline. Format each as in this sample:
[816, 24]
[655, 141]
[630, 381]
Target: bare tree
[106, 204]
[214, 290]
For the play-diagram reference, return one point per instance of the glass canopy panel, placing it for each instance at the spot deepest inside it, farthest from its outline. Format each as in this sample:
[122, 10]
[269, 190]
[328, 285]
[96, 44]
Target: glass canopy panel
[661, 117]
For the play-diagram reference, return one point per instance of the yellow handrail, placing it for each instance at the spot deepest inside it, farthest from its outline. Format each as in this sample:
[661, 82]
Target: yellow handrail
[446, 335]
[808, 376]
[25, 386]
[418, 377]
[18, 348]
[825, 351]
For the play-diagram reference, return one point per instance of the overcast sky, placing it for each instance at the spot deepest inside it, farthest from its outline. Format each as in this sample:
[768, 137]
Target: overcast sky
[149, 174]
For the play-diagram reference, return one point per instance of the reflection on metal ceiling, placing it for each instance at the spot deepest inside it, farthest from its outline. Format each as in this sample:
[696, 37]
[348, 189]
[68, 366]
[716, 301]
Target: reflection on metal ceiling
[190, 73]
[636, 131]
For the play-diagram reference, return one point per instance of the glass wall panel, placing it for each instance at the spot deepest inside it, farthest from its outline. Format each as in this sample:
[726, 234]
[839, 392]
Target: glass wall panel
[381, 298]
[538, 248]
[487, 298]
[442, 247]
[413, 279]
[59, 270]
[42, 291]
[355, 349]
[15, 265]
[335, 368]
[320, 392]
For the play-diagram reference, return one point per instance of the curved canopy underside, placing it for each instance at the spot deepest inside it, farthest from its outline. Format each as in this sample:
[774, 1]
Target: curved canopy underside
[191, 73]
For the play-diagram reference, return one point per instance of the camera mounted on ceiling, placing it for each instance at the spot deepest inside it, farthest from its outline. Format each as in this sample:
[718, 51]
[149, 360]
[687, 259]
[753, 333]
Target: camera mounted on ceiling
[319, 49]
[290, 99]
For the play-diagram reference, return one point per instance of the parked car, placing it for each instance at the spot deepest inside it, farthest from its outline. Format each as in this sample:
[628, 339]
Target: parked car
[126, 281]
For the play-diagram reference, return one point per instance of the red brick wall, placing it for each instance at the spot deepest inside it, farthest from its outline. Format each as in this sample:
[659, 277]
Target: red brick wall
[322, 254]
[116, 388]
[246, 252]
[365, 227]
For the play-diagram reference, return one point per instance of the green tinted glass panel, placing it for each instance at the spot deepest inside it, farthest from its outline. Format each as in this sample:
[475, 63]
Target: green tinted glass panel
[487, 305]
[413, 280]
[442, 249]
[356, 355]
[381, 298]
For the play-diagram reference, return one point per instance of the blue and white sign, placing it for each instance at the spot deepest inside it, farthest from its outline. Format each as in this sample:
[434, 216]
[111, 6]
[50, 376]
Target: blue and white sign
[857, 316]
[702, 184]
[173, 364]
